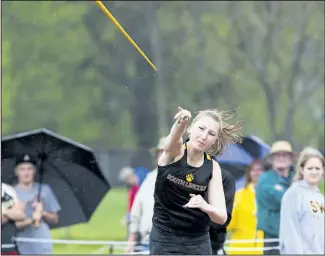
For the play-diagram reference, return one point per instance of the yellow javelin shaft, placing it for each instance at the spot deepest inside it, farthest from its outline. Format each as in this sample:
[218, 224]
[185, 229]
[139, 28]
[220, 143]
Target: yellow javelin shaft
[109, 15]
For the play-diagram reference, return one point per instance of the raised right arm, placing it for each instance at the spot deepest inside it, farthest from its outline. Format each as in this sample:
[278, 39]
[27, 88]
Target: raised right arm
[174, 141]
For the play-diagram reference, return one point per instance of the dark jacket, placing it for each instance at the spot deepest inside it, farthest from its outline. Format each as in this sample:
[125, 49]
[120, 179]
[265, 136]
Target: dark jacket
[270, 189]
[218, 232]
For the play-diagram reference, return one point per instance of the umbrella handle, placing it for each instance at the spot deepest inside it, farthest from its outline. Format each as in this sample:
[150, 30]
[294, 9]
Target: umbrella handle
[36, 223]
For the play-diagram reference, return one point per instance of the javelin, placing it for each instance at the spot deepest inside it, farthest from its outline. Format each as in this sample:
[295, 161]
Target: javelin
[109, 15]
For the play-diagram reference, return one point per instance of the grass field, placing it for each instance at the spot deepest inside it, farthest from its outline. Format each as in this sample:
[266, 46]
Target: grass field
[104, 225]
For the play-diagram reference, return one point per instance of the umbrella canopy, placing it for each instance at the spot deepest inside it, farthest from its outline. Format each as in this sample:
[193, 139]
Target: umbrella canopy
[257, 148]
[68, 167]
[237, 157]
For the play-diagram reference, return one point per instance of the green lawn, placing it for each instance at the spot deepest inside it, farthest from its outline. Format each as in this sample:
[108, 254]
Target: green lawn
[105, 224]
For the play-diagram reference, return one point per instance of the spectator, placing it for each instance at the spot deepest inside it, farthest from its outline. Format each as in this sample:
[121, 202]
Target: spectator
[11, 211]
[302, 210]
[44, 212]
[142, 209]
[270, 189]
[244, 222]
[218, 233]
[141, 174]
[128, 176]
[188, 191]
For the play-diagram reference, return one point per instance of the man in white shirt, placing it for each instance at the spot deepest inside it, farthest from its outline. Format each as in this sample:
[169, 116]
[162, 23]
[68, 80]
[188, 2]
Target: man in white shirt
[142, 208]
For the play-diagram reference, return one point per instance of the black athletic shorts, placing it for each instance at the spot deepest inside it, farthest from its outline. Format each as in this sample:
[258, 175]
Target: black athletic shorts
[166, 242]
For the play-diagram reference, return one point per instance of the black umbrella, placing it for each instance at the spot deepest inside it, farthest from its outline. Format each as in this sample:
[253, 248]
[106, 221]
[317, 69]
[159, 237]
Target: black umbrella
[68, 167]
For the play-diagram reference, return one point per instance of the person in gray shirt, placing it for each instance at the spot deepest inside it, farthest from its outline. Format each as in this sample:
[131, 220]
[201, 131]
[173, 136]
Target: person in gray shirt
[43, 212]
[302, 209]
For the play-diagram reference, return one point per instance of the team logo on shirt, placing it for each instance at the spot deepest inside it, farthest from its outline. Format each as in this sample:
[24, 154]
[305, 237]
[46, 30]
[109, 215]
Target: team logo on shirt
[316, 206]
[189, 177]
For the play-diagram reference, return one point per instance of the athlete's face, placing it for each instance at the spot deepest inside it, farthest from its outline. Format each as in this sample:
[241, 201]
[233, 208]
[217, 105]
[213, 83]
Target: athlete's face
[204, 133]
[313, 171]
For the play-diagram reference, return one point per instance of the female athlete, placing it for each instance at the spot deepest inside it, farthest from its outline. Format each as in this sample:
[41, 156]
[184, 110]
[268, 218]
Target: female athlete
[188, 190]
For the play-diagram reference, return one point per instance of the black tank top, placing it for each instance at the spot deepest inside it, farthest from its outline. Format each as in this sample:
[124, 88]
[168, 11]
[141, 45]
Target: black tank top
[8, 230]
[173, 185]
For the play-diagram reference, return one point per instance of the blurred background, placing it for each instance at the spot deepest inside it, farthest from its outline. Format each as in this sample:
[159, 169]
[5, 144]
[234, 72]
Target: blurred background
[67, 68]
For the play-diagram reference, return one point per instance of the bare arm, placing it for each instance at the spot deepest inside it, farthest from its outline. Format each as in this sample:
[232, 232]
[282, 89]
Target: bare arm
[174, 141]
[131, 241]
[4, 219]
[136, 213]
[49, 208]
[50, 217]
[24, 223]
[15, 213]
[217, 210]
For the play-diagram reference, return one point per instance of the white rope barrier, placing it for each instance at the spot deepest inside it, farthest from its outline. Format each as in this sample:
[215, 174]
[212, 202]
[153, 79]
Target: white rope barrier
[251, 248]
[100, 250]
[103, 242]
[248, 241]
[63, 241]
[122, 244]
[137, 253]
[7, 246]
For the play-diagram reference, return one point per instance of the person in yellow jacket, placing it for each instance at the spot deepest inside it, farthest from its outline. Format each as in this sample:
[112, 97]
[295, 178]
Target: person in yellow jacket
[244, 222]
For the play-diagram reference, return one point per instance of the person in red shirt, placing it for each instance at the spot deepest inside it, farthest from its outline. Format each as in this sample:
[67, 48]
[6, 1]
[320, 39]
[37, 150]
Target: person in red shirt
[132, 192]
[128, 176]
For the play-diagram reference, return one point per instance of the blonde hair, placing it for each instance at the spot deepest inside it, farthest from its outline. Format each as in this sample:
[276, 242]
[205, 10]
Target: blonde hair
[228, 133]
[304, 156]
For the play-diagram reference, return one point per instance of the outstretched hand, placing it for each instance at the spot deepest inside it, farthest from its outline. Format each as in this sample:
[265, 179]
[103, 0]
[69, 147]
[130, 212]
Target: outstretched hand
[183, 116]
